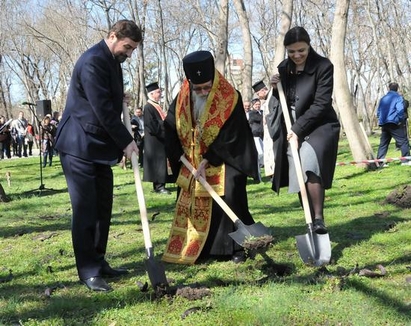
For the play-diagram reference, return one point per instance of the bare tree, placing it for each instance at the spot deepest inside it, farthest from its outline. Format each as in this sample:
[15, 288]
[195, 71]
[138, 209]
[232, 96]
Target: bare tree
[358, 143]
[286, 15]
[39, 45]
[220, 39]
[247, 70]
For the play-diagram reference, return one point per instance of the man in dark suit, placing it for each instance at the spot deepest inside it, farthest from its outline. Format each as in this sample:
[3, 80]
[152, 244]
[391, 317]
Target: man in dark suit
[90, 139]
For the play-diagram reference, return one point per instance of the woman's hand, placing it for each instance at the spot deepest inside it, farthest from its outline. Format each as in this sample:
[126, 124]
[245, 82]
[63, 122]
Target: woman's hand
[274, 80]
[292, 139]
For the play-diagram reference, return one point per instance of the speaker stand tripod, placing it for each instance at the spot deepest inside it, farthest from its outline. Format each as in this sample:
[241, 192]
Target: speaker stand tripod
[42, 186]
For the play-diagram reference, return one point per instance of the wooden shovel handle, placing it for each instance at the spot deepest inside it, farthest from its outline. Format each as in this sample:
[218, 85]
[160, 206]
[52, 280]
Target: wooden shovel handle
[211, 191]
[296, 156]
[139, 187]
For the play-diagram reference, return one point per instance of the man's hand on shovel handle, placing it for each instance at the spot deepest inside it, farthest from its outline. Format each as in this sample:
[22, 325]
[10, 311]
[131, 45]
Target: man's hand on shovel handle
[132, 147]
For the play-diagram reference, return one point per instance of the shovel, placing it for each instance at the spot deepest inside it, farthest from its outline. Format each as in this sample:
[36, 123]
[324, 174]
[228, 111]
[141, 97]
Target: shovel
[315, 249]
[245, 234]
[155, 270]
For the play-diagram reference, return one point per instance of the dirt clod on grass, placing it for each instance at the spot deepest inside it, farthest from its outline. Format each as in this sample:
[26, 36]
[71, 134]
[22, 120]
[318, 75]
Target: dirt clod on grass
[400, 197]
[254, 243]
[190, 292]
[193, 293]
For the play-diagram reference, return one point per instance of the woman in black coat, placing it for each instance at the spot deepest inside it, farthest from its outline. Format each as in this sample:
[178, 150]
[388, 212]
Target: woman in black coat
[307, 80]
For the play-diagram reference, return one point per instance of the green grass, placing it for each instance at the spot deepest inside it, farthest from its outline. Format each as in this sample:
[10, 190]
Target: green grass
[35, 243]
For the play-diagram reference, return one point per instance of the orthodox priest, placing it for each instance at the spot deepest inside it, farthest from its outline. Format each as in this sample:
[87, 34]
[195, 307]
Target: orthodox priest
[206, 123]
[155, 159]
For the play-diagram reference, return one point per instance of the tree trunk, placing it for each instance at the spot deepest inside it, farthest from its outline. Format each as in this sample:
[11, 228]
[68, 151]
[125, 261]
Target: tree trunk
[247, 71]
[286, 15]
[356, 138]
[221, 45]
[139, 14]
[164, 63]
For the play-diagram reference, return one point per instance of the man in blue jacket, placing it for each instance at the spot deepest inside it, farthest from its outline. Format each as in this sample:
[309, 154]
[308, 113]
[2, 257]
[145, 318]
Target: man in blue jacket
[90, 139]
[391, 118]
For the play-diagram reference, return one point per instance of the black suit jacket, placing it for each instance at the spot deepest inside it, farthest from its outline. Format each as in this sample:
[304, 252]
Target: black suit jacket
[91, 126]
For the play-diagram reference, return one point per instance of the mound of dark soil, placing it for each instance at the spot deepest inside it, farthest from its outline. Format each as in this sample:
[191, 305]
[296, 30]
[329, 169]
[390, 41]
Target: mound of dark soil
[400, 197]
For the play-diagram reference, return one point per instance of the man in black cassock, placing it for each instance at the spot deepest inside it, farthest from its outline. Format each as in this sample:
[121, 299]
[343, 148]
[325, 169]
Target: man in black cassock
[155, 159]
[206, 123]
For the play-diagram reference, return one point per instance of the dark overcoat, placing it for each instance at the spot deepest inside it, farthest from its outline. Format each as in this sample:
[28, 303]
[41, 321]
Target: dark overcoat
[155, 158]
[316, 121]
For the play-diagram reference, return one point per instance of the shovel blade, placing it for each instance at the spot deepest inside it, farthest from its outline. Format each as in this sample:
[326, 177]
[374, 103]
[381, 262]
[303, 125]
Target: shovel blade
[314, 249]
[245, 231]
[155, 270]
[156, 273]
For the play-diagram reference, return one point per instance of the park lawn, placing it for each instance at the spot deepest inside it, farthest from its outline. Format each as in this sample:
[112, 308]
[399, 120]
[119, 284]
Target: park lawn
[365, 231]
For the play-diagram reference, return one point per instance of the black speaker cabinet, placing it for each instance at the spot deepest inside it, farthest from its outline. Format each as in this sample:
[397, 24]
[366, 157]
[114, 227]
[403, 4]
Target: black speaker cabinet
[43, 108]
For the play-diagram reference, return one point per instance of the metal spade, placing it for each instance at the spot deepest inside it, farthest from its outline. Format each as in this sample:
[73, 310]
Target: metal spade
[314, 249]
[243, 232]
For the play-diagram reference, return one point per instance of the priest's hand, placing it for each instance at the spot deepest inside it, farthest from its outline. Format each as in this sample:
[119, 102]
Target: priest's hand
[201, 170]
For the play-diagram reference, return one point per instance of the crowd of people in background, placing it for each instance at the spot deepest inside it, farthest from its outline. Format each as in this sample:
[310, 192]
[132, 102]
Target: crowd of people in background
[18, 137]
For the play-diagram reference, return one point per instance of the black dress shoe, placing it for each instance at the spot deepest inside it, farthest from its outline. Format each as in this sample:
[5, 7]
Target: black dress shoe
[319, 226]
[107, 271]
[96, 284]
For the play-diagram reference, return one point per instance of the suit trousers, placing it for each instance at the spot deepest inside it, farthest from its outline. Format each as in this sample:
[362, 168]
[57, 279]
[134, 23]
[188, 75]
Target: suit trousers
[398, 132]
[90, 186]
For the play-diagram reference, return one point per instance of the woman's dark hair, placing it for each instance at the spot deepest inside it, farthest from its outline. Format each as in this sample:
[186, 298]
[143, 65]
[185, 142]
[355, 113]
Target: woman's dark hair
[296, 34]
[126, 28]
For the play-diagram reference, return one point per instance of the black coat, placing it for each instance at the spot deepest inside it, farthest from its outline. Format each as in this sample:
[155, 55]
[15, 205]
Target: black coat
[255, 118]
[316, 121]
[155, 158]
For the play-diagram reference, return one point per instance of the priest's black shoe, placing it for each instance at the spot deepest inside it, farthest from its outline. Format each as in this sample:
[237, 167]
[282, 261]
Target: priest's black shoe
[96, 284]
[163, 191]
[108, 271]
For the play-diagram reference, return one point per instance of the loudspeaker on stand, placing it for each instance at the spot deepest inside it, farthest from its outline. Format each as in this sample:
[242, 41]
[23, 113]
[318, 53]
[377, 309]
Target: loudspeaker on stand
[43, 108]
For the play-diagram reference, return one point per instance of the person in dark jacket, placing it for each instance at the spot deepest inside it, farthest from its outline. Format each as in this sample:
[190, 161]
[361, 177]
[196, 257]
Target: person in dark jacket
[137, 126]
[90, 139]
[307, 80]
[391, 115]
[155, 158]
[255, 118]
[47, 133]
[206, 123]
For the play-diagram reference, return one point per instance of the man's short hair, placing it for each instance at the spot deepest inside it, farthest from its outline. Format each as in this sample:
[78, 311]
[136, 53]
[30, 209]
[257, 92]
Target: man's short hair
[126, 29]
[393, 86]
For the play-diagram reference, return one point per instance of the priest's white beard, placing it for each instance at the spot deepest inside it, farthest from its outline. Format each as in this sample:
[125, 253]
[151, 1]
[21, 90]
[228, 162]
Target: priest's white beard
[199, 102]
